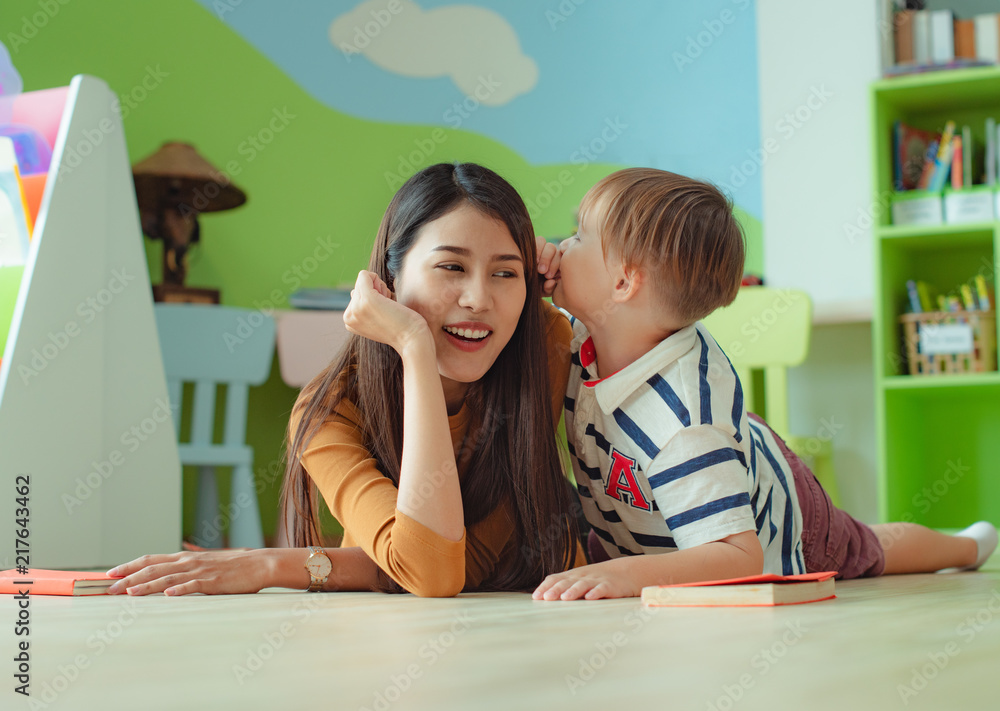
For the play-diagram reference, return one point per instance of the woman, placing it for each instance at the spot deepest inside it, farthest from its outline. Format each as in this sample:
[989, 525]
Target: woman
[431, 438]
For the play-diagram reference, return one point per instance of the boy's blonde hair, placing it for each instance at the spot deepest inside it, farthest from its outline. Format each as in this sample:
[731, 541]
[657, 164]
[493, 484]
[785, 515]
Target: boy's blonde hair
[681, 230]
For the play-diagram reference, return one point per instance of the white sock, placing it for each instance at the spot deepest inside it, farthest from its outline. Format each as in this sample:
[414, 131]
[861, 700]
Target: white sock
[985, 536]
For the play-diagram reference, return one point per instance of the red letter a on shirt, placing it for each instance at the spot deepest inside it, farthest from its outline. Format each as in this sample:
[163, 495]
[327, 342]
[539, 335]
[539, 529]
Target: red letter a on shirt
[622, 484]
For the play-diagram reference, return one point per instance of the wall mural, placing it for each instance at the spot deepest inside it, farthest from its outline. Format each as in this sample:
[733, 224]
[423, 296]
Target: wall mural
[671, 85]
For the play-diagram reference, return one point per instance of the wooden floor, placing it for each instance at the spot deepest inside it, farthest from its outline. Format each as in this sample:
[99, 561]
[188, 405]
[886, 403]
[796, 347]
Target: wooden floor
[914, 642]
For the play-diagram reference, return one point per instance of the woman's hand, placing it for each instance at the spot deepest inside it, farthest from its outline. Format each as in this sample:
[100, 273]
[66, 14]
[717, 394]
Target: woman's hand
[549, 255]
[374, 313]
[224, 572]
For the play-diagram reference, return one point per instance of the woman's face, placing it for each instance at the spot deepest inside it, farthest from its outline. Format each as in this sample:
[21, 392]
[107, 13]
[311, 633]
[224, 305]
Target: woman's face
[464, 274]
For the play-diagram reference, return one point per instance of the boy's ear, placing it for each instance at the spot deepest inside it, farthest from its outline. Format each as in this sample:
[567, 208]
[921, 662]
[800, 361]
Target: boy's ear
[629, 281]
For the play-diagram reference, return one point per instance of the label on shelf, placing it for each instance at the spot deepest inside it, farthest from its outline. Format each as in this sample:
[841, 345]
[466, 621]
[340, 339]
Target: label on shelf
[969, 205]
[946, 338]
[917, 207]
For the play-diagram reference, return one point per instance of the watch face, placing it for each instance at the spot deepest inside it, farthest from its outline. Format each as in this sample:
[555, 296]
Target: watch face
[319, 565]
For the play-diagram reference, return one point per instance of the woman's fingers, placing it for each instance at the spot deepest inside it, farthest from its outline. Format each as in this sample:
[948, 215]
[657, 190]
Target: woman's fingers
[192, 586]
[126, 569]
[375, 314]
[211, 572]
[158, 583]
[140, 572]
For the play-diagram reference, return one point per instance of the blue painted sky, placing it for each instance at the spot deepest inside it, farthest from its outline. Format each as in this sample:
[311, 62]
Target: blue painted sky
[597, 62]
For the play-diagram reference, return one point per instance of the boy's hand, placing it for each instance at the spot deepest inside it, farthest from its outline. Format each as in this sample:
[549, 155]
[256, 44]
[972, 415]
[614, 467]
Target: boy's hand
[549, 256]
[590, 582]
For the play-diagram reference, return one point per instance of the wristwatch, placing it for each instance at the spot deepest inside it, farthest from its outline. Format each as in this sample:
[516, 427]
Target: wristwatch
[318, 565]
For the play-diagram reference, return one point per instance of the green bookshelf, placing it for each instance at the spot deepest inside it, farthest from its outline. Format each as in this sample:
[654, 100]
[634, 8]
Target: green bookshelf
[938, 435]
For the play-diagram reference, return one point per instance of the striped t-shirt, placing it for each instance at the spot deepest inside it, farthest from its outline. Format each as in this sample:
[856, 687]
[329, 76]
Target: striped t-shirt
[666, 458]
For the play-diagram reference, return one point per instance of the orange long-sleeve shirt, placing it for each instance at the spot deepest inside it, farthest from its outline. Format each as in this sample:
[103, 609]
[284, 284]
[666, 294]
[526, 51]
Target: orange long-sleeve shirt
[364, 501]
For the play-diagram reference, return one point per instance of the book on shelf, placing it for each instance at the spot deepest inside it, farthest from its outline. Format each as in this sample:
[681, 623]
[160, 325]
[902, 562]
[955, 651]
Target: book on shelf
[923, 298]
[965, 291]
[320, 298]
[903, 36]
[913, 297]
[942, 36]
[967, 154]
[957, 164]
[753, 591]
[38, 581]
[982, 293]
[965, 39]
[942, 161]
[987, 37]
[925, 160]
[930, 164]
[909, 153]
[922, 37]
[937, 39]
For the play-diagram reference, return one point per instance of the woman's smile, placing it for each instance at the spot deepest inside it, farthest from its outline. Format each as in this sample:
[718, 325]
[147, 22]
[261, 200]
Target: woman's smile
[468, 336]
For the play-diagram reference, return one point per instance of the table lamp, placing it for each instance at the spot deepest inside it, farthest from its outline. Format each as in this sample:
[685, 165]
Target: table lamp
[173, 186]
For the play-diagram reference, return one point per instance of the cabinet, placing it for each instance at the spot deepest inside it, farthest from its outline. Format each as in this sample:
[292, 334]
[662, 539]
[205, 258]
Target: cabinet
[84, 412]
[938, 435]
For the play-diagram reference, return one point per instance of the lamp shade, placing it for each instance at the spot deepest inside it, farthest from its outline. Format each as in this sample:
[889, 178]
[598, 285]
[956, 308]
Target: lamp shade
[177, 175]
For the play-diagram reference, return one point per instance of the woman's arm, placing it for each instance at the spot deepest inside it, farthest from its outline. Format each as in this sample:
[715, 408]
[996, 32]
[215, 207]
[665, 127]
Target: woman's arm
[240, 571]
[429, 491]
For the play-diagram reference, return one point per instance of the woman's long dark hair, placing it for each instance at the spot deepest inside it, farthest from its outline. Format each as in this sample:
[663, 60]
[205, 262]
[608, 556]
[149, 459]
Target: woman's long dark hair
[510, 454]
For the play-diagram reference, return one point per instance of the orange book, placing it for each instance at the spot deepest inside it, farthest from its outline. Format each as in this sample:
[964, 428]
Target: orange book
[54, 582]
[752, 591]
[965, 39]
[903, 36]
[957, 165]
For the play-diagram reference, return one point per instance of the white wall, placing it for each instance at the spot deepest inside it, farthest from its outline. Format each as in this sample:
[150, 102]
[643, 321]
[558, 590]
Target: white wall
[816, 62]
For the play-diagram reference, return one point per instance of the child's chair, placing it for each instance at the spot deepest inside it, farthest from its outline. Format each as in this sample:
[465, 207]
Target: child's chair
[768, 330]
[212, 346]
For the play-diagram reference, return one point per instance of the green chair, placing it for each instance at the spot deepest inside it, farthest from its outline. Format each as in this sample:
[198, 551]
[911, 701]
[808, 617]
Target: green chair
[765, 332]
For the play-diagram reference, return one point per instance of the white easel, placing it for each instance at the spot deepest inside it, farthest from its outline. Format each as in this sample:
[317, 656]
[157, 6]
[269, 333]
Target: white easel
[83, 397]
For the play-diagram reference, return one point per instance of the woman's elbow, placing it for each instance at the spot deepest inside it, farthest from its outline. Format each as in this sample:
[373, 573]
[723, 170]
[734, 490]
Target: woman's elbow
[446, 585]
[442, 580]
[434, 589]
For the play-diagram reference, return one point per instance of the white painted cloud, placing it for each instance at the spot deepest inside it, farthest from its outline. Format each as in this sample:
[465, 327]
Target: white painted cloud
[475, 47]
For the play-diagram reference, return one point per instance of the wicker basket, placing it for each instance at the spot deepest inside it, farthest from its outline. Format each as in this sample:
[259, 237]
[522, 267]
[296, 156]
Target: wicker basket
[980, 359]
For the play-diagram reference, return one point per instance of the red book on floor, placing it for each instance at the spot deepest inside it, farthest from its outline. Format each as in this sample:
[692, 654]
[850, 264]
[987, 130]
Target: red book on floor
[752, 591]
[54, 582]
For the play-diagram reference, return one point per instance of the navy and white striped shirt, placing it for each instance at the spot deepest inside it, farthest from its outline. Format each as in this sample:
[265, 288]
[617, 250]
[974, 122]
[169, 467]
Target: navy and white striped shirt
[666, 458]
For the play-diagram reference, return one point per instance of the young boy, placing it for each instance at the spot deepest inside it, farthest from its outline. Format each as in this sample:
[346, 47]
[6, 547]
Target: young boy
[666, 459]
